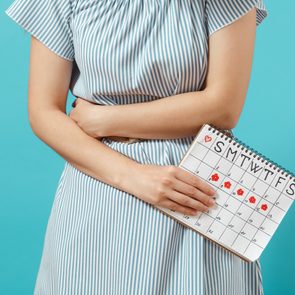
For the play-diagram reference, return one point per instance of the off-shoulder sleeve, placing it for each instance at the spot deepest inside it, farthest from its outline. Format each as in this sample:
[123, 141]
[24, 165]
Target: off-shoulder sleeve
[220, 13]
[48, 21]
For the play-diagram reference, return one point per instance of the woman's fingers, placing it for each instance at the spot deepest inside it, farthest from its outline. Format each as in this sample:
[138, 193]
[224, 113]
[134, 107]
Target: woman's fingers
[186, 201]
[193, 192]
[177, 207]
[195, 181]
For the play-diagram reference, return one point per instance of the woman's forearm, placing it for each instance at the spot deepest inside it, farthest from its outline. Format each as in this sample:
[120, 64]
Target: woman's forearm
[171, 117]
[86, 153]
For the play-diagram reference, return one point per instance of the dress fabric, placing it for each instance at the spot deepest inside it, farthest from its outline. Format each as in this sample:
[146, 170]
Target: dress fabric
[99, 239]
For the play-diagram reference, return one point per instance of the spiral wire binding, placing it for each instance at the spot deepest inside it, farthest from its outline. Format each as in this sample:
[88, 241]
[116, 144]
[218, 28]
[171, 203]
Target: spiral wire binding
[228, 135]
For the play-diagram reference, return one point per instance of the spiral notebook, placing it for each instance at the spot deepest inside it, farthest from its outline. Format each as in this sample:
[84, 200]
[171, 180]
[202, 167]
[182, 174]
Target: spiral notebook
[253, 193]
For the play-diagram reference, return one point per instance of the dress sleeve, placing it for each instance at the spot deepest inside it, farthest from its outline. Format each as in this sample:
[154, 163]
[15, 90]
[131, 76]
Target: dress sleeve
[48, 21]
[220, 13]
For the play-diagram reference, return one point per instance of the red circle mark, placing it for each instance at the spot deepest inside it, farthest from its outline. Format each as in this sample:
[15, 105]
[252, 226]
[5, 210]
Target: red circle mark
[240, 192]
[227, 184]
[215, 177]
[264, 207]
[252, 199]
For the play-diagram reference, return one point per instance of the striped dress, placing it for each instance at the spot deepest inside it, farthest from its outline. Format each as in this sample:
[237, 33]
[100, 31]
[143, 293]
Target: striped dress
[99, 239]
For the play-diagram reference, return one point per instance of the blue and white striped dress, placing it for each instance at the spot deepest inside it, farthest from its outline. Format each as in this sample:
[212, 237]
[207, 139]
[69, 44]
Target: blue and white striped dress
[101, 240]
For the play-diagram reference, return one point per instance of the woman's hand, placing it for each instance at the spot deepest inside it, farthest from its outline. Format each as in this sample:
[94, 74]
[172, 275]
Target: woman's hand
[171, 187]
[91, 117]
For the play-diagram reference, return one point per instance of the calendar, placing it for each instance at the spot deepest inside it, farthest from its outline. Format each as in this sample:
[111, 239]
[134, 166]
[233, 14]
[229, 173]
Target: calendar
[253, 193]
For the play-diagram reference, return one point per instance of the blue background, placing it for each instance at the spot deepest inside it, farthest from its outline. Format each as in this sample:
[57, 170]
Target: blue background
[30, 169]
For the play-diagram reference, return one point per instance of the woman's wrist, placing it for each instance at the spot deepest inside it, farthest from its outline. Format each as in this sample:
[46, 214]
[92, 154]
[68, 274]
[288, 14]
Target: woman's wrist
[115, 121]
[126, 176]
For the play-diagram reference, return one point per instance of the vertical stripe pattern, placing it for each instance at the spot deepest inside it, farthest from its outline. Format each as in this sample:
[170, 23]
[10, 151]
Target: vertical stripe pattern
[101, 240]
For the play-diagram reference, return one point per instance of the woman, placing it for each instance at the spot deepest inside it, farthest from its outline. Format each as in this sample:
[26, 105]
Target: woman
[146, 75]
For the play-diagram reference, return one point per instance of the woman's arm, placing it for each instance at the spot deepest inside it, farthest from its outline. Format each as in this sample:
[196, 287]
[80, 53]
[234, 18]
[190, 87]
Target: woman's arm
[220, 103]
[168, 186]
[48, 88]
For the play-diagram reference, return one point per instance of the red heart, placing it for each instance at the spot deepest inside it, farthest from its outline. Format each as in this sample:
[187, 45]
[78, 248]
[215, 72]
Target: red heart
[208, 138]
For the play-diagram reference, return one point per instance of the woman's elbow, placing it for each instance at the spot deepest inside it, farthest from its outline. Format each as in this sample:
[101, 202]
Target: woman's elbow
[228, 116]
[227, 113]
[230, 120]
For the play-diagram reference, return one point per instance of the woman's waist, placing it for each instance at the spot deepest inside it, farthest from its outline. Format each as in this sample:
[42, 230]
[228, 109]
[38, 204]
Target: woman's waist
[151, 151]
[131, 140]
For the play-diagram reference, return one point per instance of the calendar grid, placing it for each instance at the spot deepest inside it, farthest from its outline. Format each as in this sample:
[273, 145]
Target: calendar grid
[228, 178]
[221, 157]
[228, 195]
[201, 161]
[265, 165]
[249, 206]
[267, 214]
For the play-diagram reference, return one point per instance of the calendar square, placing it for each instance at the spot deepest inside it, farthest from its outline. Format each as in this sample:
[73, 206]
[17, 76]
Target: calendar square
[256, 219]
[268, 174]
[190, 163]
[255, 168]
[290, 188]
[224, 216]
[248, 231]
[215, 178]
[216, 229]
[227, 185]
[235, 173]
[284, 202]
[213, 211]
[253, 251]
[260, 187]
[228, 236]
[280, 181]
[252, 200]
[240, 244]
[207, 138]
[221, 197]
[204, 222]
[243, 159]
[212, 158]
[224, 166]
[244, 212]
[236, 224]
[199, 151]
[263, 207]
[276, 214]
[232, 152]
[232, 204]
[247, 180]
[269, 226]
[204, 171]
[240, 192]
[261, 239]
[271, 195]
[190, 219]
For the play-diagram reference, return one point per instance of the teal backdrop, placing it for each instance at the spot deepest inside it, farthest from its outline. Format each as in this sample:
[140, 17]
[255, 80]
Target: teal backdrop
[30, 169]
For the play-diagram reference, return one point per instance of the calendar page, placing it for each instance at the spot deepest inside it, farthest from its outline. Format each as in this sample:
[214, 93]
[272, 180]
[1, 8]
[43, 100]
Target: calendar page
[253, 194]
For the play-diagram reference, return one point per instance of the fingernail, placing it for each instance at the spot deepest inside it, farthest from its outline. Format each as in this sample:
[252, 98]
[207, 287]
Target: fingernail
[212, 191]
[211, 202]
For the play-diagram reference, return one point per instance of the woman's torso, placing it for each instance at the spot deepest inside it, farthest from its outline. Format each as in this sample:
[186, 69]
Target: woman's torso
[137, 51]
